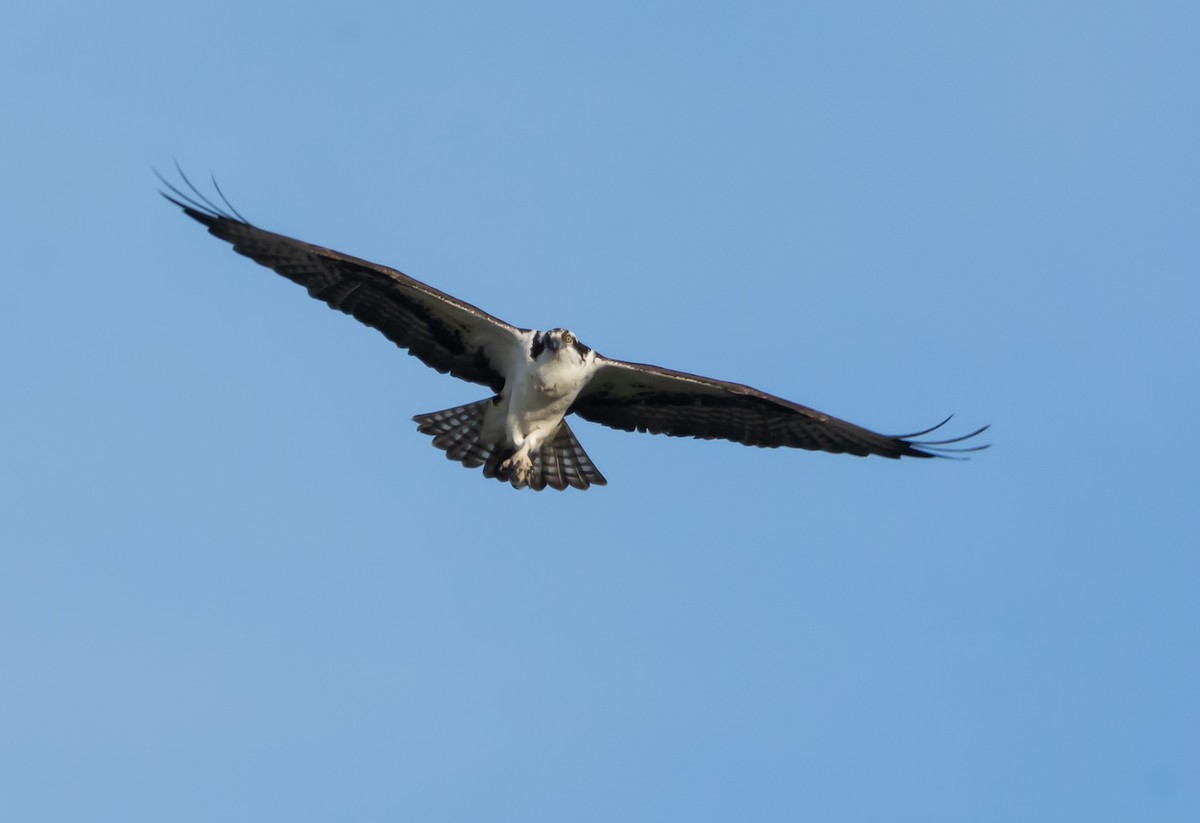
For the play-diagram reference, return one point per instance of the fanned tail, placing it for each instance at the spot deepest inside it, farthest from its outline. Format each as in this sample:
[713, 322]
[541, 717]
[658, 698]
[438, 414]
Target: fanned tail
[560, 462]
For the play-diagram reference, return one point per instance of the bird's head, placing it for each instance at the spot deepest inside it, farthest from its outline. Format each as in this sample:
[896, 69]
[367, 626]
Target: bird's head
[558, 341]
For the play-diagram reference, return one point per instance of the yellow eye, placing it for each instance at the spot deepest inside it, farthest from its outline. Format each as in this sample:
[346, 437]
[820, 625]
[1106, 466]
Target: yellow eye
[568, 338]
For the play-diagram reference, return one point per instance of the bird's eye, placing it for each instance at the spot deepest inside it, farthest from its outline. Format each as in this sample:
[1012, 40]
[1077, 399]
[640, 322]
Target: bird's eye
[568, 338]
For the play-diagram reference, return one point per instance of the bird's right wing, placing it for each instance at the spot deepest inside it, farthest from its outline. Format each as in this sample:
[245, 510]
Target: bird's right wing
[441, 331]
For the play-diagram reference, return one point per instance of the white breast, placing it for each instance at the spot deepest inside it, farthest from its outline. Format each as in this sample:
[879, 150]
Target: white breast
[542, 391]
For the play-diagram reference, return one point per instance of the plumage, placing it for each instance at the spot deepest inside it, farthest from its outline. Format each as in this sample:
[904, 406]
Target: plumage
[520, 435]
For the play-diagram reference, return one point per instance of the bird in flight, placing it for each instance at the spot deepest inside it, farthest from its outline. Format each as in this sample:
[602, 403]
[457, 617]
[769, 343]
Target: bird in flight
[519, 435]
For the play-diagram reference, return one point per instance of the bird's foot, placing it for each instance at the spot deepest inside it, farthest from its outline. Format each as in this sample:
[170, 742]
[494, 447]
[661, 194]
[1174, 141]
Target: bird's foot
[520, 468]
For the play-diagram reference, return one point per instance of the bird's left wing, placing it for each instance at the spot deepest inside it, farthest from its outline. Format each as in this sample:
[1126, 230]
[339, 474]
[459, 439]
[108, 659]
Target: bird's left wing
[638, 397]
[441, 331]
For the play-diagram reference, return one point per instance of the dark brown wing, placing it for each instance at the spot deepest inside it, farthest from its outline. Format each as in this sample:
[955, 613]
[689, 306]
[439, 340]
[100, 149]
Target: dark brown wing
[637, 397]
[441, 331]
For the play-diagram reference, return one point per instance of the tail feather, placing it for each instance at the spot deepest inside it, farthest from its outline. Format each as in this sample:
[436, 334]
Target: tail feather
[457, 432]
[562, 462]
[559, 463]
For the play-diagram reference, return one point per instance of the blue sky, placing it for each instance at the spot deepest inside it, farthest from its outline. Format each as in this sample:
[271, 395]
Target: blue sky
[236, 584]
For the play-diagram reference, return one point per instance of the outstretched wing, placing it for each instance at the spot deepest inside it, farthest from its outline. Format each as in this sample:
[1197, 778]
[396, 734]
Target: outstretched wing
[637, 397]
[441, 331]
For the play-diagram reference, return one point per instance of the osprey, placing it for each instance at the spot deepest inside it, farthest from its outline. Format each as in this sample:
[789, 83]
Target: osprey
[520, 434]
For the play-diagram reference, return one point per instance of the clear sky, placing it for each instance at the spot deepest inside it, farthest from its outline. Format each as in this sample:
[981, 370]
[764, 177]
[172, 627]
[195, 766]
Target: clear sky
[237, 585]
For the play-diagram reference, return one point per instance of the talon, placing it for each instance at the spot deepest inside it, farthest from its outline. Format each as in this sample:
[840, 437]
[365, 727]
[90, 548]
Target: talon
[520, 469]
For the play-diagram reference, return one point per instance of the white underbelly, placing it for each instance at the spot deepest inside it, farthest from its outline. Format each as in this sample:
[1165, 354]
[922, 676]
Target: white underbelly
[531, 411]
